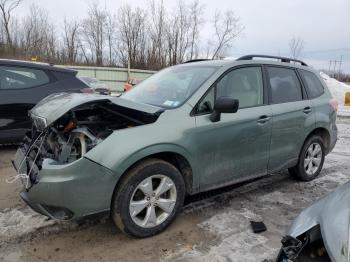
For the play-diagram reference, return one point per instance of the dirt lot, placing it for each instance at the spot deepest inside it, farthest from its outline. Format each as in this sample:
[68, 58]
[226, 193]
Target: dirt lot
[212, 227]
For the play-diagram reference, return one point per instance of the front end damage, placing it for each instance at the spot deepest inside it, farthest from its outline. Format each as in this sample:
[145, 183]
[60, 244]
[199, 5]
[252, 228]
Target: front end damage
[52, 162]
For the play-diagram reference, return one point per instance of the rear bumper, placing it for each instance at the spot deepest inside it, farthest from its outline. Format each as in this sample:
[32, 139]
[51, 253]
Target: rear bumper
[333, 137]
[71, 191]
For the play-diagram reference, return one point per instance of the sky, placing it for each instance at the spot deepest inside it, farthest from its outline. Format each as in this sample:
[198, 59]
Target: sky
[324, 25]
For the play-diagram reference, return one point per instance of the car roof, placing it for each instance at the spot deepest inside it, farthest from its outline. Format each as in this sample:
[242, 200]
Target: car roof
[231, 63]
[35, 65]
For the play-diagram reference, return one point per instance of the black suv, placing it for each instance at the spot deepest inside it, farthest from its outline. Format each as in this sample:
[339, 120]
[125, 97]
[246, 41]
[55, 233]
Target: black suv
[22, 85]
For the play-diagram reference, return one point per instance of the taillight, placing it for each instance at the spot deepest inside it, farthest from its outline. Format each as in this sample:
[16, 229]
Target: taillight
[334, 104]
[87, 90]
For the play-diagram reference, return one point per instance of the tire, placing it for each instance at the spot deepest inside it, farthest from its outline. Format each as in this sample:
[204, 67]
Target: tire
[307, 172]
[141, 210]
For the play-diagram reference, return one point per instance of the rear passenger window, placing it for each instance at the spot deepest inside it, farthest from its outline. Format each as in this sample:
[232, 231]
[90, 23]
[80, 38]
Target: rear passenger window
[285, 85]
[19, 77]
[313, 85]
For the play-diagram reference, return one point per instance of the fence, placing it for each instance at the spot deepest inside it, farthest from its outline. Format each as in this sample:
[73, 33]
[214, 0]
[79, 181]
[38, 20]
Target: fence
[114, 78]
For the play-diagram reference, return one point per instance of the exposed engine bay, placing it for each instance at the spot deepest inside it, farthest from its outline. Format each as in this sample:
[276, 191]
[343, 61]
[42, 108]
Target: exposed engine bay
[75, 133]
[72, 135]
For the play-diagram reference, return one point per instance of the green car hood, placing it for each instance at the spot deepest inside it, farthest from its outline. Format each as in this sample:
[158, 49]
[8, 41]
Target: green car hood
[54, 106]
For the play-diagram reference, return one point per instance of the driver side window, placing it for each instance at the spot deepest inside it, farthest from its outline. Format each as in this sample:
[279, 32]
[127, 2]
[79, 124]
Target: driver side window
[244, 84]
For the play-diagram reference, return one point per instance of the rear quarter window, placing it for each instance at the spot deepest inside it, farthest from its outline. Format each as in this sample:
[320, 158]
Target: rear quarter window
[313, 85]
[12, 77]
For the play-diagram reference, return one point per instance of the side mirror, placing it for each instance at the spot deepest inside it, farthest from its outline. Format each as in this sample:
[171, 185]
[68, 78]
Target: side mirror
[224, 104]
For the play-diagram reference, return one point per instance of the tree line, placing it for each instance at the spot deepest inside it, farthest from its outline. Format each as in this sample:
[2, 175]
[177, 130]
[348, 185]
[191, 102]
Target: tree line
[149, 37]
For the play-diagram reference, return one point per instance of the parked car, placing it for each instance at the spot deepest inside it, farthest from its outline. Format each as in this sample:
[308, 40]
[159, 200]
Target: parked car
[321, 230]
[186, 129]
[22, 85]
[130, 83]
[98, 86]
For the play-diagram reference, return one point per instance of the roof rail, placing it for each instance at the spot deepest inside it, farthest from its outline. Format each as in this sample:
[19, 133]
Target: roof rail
[283, 59]
[196, 60]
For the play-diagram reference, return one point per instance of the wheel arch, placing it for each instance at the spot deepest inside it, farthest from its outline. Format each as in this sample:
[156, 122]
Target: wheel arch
[174, 157]
[324, 134]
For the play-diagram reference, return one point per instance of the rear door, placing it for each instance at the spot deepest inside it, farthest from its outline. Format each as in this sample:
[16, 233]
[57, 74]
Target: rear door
[293, 116]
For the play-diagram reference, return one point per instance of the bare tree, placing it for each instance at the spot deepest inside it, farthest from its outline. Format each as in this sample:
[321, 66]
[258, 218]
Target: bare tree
[296, 46]
[51, 44]
[196, 12]
[132, 33]
[227, 28]
[178, 37]
[94, 32]
[38, 34]
[143, 37]
[71, 40]
[183, 32]
[111, 37]
[157, 29]
[6, 7]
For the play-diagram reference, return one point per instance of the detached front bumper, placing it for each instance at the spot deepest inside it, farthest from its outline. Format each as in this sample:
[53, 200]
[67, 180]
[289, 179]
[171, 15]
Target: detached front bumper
[72, 190]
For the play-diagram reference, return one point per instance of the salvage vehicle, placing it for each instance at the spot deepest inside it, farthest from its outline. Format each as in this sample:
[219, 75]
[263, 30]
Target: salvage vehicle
[22, 85]
[186, 129]
[320, 231]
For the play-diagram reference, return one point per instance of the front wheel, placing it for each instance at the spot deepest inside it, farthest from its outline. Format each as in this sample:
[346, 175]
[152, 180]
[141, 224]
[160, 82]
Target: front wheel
[311, 160]
[148, 199]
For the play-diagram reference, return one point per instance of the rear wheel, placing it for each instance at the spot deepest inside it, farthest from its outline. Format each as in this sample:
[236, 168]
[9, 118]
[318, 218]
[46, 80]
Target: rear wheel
[149, 198]
[311, 160]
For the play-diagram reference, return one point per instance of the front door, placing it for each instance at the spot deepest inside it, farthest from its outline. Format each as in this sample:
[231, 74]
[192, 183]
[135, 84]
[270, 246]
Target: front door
[236, 147]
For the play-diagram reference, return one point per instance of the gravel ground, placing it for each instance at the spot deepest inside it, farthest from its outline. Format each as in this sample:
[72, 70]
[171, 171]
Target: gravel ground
[212, 227]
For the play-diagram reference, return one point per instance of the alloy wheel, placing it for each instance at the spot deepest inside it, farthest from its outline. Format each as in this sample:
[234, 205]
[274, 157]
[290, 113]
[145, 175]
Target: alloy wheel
[313, 158]
[152, 201]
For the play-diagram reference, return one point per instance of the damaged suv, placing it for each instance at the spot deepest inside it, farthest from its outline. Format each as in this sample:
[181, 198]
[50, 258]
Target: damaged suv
[187, 129]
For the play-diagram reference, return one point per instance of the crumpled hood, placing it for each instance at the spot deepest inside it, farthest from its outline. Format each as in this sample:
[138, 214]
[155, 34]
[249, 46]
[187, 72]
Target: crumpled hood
[332, 213]
[54, 106]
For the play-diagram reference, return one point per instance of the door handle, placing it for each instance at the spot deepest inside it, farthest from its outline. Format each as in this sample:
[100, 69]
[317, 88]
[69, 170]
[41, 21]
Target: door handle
[263, 119]
[307, 110]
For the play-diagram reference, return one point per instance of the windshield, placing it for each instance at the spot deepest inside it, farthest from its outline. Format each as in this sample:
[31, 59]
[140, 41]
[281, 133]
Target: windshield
[170, 87]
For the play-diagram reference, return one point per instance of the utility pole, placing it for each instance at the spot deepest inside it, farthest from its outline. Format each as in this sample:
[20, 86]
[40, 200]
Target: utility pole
[335, 64]
[341, 60]
[329, 67]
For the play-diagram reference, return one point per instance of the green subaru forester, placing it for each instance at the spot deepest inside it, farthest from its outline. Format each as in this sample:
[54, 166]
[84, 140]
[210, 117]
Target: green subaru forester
[186, 129]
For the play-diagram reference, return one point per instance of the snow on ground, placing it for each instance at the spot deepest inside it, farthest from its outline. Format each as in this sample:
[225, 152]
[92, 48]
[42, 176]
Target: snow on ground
[338, 90]
[276, 200]
[17, 223]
